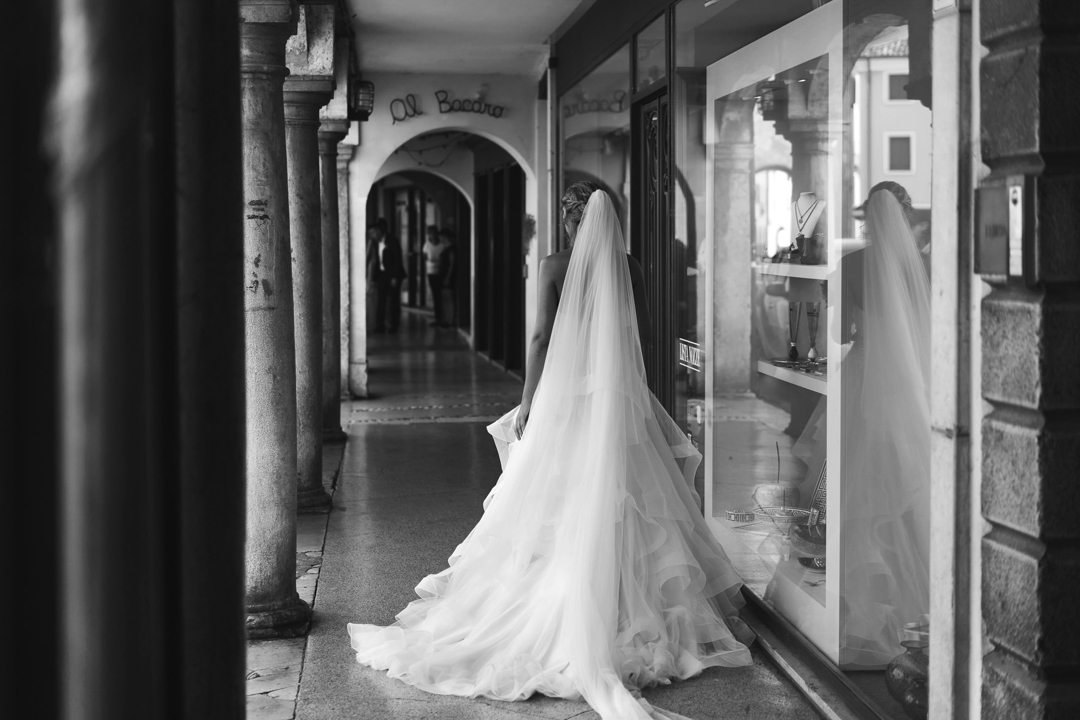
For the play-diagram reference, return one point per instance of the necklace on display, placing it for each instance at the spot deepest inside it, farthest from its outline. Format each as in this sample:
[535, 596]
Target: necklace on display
[801, 217]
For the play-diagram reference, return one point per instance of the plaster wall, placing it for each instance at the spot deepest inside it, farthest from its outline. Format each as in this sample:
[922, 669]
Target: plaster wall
[457, 170]
[396, 119]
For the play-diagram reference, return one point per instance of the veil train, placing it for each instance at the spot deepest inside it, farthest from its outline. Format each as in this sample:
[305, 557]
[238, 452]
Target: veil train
[592, 572]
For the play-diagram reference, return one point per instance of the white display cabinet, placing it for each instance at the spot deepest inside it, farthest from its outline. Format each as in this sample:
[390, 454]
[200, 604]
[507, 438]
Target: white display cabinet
[774, 482]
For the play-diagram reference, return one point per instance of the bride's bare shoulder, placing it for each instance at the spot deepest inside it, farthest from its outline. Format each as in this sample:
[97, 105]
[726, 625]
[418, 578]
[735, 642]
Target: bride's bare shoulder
[556, 263]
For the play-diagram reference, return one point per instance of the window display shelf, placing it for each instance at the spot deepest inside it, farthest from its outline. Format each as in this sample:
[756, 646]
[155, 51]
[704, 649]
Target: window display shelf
[808, 272]
[815, 383]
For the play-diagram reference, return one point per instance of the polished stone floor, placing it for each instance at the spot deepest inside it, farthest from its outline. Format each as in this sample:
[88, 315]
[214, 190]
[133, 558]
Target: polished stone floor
[416, 468]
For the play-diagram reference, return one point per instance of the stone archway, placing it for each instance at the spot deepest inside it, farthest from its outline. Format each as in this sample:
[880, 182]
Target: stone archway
[381, 162]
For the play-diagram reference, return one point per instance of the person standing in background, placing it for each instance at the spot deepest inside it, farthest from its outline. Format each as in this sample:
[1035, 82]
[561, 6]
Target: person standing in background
[439, 262]
[385, 271]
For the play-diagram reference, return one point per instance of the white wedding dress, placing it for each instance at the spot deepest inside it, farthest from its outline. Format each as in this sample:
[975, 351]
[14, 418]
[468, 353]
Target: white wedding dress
[592, 572]
[886, 444]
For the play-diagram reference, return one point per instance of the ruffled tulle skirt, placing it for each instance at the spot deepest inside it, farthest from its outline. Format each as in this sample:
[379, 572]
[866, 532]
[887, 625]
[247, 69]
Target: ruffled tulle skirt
[591, 574]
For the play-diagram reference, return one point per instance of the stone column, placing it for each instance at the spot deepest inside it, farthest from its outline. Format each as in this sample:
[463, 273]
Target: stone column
[357, 368]
[733, 213]
[274, 608]
[303, 98]
[309, 86]
[1030, 343]
[344, 157]
[330, 133]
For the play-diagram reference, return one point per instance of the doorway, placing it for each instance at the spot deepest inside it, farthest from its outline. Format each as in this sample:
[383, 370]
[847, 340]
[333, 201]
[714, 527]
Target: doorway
[410, 202]
[500, 260]
[651, 241]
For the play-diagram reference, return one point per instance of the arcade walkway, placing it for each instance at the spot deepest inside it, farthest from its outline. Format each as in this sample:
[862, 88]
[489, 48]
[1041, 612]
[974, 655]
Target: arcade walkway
[417, 467]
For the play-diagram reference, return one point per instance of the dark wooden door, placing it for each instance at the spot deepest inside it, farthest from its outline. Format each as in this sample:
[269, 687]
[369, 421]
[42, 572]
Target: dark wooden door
[462, 264]
[483, 263]
[500, 281]
[651, 240]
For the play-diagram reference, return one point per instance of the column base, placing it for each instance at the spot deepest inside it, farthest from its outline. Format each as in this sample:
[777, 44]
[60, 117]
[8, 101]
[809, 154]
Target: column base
[315, 498]
[334, 435]
[358, 378]
[288, 619]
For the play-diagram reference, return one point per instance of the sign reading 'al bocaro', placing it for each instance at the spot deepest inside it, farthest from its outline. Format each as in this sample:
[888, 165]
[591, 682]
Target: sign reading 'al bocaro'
[401, 109]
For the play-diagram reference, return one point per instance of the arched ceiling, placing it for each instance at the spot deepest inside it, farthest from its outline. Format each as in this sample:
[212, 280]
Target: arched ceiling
[497, 37]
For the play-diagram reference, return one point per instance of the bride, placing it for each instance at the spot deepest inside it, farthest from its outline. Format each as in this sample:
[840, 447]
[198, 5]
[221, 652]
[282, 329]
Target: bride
[592, 573]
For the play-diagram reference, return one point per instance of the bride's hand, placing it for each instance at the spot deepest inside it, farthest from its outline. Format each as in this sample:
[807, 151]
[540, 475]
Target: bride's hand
[521, 419]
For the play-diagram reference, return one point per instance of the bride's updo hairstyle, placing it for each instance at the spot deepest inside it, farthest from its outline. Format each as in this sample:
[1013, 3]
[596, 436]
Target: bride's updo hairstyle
[575, 199]
[899, 192]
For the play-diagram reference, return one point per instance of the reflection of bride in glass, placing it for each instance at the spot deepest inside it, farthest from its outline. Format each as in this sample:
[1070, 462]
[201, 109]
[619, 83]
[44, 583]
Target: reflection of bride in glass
[886, 440]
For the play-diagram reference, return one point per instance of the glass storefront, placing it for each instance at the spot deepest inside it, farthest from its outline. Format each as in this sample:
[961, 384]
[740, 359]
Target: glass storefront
[800, 199]
[811, 309]
[594, 129]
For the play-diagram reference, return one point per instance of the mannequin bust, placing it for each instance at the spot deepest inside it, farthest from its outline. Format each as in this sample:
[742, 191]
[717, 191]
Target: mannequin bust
[805, 213]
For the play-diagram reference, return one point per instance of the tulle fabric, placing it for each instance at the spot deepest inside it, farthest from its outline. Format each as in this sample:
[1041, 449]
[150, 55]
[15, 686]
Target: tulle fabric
[591, 573]
[886, 441]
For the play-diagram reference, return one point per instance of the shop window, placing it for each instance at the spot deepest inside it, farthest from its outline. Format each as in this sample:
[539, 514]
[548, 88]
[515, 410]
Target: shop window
[651, 46]
[805, 308]
[899, 152]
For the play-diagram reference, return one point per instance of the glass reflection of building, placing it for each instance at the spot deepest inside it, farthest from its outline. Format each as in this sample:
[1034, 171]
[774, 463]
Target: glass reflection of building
[594, 124]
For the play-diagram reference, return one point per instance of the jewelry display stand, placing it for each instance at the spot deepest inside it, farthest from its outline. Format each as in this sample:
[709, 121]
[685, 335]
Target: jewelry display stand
[806, 211]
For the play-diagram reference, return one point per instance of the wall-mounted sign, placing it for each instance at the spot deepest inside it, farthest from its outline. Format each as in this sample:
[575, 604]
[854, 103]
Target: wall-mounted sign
[404, 108]
[691, 355]
[614, 104]
[401, 109]
[1000, 228]
[446, 105]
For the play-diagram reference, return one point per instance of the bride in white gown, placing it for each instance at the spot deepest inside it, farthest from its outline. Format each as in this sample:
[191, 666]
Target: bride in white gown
[592, 572]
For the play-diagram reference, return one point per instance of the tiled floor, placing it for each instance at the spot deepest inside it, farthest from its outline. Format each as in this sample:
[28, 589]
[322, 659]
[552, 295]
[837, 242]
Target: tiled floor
[274, 666]
[417, 467]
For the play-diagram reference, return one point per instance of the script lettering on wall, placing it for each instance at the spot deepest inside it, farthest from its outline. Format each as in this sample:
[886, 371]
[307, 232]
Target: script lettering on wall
[615, 104]
[402, 109]
[446, 105]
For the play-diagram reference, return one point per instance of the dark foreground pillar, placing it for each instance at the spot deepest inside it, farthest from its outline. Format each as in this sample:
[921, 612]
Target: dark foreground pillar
[28, 365]
[145, 137]
[273, 607]
[212, 429]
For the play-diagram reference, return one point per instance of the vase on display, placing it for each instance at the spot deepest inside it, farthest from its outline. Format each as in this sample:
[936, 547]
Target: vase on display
[906, 678]
[778, 494]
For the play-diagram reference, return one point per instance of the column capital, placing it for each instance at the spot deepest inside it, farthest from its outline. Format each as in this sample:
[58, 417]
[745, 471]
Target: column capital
[331, 132]
[304, 96]
[345, 152]
[810, 135]
[265, 25]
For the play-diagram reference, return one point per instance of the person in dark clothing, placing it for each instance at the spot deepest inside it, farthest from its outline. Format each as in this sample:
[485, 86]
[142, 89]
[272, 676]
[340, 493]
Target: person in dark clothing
[385, 271]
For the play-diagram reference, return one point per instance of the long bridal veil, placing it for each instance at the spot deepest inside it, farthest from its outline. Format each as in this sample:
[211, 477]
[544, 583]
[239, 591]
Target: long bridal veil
[592, 570]
[886, 441]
